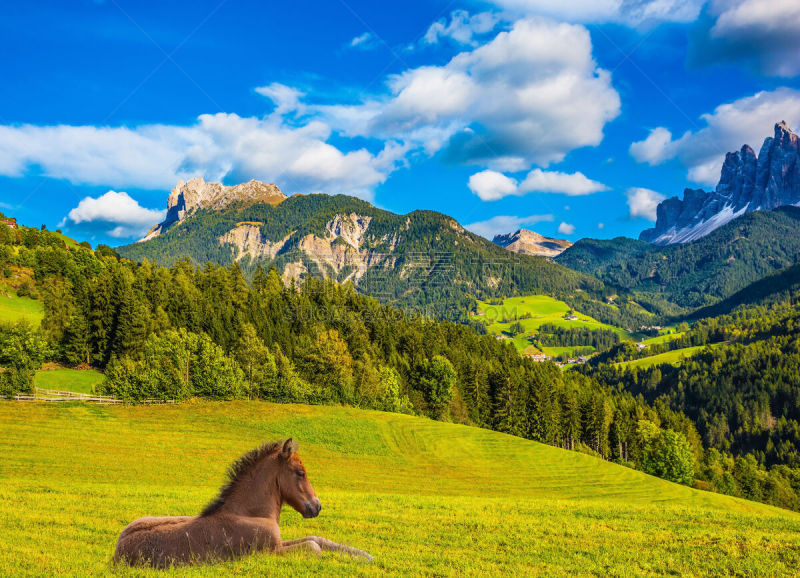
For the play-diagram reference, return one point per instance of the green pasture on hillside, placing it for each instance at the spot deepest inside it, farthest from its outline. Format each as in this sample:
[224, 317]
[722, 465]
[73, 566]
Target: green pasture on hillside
[663, 338]
[77, 380]
[14, 308]
[672, 357]
[424, 497]
[540, 310]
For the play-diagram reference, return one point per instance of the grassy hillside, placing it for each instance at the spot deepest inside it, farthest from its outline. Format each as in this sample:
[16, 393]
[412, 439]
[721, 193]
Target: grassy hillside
[424, 497]
[675, 356]
[63, 379]
[14, 308]
[533, 311]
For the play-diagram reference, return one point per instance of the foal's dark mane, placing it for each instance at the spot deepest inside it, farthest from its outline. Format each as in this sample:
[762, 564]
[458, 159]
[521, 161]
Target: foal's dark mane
[239, 469]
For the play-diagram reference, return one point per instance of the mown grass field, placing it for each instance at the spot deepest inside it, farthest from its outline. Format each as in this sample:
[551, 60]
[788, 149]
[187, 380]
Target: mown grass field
[672, 357]
[425, 498]
[64, 379]
[14, 308]
[663, 338]
[541, 310]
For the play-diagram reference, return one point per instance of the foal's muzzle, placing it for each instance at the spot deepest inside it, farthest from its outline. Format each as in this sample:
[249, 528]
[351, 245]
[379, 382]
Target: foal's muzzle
[312, 508]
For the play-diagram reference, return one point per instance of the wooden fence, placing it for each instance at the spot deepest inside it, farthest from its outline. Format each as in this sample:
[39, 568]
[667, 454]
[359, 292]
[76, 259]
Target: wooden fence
[54, 395]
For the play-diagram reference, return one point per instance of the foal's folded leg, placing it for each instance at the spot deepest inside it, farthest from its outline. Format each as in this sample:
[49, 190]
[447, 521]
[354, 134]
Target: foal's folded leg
[326, 544]
[301, 544]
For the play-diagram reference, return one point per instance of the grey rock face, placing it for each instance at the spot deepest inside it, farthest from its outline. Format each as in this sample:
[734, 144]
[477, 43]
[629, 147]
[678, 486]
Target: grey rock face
[747, 183]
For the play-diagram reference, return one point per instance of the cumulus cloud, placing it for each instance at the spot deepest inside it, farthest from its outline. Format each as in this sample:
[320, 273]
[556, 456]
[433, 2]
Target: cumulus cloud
[506, 105]
[219, 146]
[115, 214]
[504, 224]
[462, 28]
[628, 12]
[748, 120]
[286, 98]
[572, 184]
[491, 185]
[566, 228]
[762, 33]
[643, 203]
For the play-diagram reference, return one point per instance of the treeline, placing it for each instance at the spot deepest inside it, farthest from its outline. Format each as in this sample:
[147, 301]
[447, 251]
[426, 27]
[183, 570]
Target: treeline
[551, 335]
[743, 397]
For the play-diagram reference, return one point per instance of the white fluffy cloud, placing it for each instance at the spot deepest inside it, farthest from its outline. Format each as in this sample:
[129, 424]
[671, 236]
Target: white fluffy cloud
[504, 224]
[629, 12]
[762, 33]
[748, 120]
[115, 214]
[508, 104]
[217, 146]
[643, 203]
[491, 185]
[366, 41]
[571, 184]
[566, 228]
[462, 27]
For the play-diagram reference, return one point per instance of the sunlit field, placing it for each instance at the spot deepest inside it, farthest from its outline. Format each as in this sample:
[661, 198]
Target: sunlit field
[533, 311]
[423, 497]
[64, 379]
[14, 308]
[673, 357]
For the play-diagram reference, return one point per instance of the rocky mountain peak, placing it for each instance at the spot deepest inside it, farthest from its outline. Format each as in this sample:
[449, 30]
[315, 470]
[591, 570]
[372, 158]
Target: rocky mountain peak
[748, 182]
[189, 196]
[531, 243]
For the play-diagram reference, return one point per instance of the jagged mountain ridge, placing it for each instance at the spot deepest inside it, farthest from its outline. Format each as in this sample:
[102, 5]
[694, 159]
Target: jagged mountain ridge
[698, 273]
[747, 183]
[531, 243]
[189, 196]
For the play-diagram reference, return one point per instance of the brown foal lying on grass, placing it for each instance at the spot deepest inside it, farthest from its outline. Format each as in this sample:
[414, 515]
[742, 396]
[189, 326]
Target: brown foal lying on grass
[242, 519]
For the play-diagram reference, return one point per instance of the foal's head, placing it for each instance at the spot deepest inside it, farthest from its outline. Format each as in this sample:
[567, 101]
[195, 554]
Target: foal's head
[293, 482]
[262, 480]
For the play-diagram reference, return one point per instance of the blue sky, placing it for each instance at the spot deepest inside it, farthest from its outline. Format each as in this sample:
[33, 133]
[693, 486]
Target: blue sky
[570, 118]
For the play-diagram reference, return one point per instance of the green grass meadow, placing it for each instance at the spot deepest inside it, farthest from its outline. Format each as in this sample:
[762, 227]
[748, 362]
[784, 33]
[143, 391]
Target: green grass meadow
[64, 379]
[672, 357]
[541, 310]
[14, 308]
[424, 497]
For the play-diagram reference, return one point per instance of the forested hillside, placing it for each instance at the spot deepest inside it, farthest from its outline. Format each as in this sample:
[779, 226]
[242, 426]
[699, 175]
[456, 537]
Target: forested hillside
[423, 262]
[184, 331]
[743, 395]
[679, 278]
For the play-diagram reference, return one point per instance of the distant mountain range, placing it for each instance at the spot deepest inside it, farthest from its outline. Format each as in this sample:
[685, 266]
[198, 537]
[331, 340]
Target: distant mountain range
[747, 183]
[531, 243]
[695, 274]
[421, 260]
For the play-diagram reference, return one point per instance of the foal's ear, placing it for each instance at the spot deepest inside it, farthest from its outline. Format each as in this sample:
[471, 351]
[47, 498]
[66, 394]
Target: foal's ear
[289, 447]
